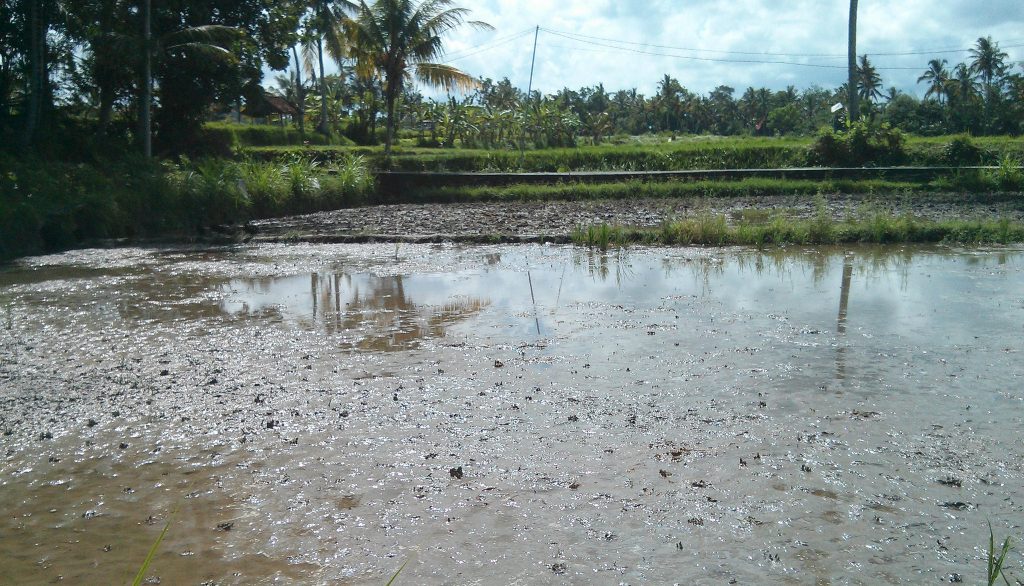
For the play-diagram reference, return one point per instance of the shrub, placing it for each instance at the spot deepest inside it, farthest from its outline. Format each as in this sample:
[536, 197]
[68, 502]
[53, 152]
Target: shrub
[864, 144]
[1009, 176]
[961, 151]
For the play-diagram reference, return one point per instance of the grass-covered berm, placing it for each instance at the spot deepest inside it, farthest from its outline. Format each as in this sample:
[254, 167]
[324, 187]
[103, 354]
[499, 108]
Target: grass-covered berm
[54, 203]
[49, 205]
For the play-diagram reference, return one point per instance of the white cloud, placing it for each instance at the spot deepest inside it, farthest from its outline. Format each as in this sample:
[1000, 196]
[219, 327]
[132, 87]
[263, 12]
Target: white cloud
[756, 26]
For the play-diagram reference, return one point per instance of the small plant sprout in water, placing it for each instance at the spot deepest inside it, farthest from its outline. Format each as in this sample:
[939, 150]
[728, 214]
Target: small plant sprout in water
[997, 559]
[395, 575]
[141, 575]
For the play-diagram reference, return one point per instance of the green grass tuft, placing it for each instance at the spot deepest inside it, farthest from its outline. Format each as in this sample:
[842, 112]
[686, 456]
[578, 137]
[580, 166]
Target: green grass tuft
[870, 228]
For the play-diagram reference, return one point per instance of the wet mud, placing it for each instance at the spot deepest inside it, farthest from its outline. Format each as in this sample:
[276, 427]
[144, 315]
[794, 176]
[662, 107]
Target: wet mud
[511, 414]
[516, 221]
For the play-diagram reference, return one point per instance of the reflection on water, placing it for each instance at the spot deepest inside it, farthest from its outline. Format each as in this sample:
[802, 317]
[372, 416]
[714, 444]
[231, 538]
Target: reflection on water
[367, 312]
[528, 292]
[707, 353]
[844, 305]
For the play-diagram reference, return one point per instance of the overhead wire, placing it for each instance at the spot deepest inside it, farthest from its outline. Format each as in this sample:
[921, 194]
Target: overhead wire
[694, 57]
[1013, 43]
[617, 46]
[499, 42]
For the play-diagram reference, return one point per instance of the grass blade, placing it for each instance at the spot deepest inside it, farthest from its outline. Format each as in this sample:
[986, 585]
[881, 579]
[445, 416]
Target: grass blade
[139, 577]
[995, 563]
[395, 575]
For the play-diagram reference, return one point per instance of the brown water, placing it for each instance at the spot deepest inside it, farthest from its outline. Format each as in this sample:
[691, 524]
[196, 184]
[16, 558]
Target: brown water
[299, 413]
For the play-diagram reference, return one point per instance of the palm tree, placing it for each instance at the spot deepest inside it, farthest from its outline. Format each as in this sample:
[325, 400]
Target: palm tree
[963, 94]
[209, 41]
[937, 77]
[399, 40]
[988, 61]
[324, 31]
[869, 82]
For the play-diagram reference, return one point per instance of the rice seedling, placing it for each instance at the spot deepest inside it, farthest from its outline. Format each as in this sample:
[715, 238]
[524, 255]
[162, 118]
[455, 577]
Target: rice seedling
[997, 558]
[141, 574]
[395, 575]
[874, 228]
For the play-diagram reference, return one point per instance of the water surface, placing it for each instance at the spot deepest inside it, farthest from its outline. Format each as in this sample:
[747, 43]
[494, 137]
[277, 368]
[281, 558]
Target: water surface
[516, 414]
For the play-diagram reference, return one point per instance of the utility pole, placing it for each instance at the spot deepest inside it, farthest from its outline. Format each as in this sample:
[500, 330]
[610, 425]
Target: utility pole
[529, 98]
[851, 85]
[533, 61]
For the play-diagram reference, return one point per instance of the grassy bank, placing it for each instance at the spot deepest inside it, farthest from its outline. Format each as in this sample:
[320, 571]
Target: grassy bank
[969, 182]
[876, 228]
[754, 187]
[683, 154]
[48, 205]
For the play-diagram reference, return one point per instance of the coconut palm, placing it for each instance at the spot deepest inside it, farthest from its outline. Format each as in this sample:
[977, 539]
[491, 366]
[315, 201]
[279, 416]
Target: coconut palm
[988, 61]
[401, 40]
[209, 42]
[869, 82]
[937, 77]
[963, 85]
[323, 25]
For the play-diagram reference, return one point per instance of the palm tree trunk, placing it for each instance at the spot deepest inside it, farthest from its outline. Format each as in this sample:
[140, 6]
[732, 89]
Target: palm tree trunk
[102, 70]
[147, 83]
[323, 87]
[852, 64]
[300, 96]
[391, 100]
[37, 78]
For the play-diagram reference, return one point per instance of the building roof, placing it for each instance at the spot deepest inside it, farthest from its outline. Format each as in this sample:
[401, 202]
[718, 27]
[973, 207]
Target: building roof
[270, 104]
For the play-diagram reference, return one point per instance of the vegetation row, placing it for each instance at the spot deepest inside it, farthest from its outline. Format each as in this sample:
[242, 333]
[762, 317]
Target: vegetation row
[879, 228]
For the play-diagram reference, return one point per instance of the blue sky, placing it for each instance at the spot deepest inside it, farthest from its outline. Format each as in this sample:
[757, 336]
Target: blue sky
[633, 43]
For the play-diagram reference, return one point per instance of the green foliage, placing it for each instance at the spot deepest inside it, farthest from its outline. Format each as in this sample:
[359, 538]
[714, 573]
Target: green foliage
[46, 205]
[1009, 176]
[873, 227]
[235, 136]
[961, 151]
[754, 187]
[864, 144]
[996, 558]
[141, 575]
[637, 154]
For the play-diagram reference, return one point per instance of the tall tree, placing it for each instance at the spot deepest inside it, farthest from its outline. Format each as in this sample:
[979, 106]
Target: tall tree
[937, 77]
[988, 61]
[869, 82]
[400, 40]
[325, 23]
[851, 62]
[38, 22]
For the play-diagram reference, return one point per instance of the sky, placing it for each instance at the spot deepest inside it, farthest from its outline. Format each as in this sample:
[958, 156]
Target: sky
[705, 43]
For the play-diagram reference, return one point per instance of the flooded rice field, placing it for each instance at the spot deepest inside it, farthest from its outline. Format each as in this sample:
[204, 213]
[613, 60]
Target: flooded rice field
[514, 415]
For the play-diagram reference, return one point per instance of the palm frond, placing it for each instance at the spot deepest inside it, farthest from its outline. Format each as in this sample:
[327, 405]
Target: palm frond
[205, 50]
[211, 34]
[446, 77]
[309, 56]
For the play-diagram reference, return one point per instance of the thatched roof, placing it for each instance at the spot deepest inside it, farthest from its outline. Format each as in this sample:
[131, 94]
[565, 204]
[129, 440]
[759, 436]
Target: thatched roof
[270, 104]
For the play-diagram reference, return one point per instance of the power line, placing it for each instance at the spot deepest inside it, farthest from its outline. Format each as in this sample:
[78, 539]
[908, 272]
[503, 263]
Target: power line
[580, 37]
[720, 60]
[487, 46]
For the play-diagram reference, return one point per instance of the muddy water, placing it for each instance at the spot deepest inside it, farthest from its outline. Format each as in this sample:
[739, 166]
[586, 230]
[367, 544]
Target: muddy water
[325, 414]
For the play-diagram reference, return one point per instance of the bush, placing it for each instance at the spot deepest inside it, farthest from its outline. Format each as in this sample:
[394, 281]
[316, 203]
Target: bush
[48, 205]
[961, 152]
[1009, 176]
[863, 145]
